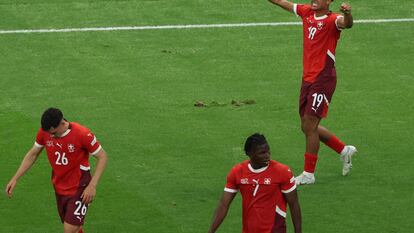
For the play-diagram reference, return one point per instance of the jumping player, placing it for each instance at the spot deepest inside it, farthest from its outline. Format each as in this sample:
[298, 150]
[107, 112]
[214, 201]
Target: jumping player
[321, 31]
[265, 186]
[68, 146]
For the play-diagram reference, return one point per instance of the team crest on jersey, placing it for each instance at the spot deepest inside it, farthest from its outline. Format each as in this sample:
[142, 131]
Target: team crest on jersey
[267, 180]
[71, 148]
[320, 25]
[244, 181]
[49, 143]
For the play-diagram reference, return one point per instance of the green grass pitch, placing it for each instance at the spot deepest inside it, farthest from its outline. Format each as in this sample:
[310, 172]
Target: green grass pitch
[169, 159]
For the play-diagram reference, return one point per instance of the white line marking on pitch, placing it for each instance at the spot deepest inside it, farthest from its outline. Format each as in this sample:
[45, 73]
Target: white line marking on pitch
[232, 25]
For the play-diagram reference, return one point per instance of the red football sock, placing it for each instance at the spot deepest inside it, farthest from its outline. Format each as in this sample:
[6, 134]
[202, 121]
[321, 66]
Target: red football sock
[310, 162]
[80, 230]
[335, 144]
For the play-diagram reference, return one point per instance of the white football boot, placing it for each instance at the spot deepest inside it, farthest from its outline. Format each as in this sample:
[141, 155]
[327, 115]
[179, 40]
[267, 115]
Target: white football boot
[305, 178]
[346, 157]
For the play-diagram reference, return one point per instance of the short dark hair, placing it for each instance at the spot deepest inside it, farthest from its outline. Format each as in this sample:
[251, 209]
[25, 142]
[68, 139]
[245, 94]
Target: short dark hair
[253, 142]
[51, 118]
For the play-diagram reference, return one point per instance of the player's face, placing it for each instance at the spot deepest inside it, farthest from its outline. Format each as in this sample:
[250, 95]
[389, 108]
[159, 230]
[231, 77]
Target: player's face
[317, 5]
[59, 130]
[260, 156]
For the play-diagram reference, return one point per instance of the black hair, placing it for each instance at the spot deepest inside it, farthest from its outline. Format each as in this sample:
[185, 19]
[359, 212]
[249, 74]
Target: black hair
[253, 142]
[51, 118]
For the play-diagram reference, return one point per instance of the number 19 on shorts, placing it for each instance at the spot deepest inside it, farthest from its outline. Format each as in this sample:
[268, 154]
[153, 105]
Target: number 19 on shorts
[317, 100]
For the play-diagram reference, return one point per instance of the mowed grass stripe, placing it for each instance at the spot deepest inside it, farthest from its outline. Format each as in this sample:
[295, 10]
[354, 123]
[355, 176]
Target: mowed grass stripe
[190, 26]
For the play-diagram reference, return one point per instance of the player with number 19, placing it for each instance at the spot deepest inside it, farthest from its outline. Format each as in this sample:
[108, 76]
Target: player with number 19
[321, 32]
[68, 147]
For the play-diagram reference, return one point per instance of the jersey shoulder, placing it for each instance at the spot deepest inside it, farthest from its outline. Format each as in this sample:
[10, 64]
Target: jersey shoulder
[80, 130]
[302, 10]
[280, 167]
[78, 127]
[240, 167]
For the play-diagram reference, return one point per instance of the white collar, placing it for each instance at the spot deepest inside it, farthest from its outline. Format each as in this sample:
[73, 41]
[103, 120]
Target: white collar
[320, 17]
[257, 170]
[64, 134]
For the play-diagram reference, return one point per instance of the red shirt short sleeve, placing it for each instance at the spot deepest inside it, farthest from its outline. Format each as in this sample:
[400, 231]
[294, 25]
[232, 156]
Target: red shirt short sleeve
[40, 139]
[301, 10]
[231, 185]
[288, 181]
[90, 143]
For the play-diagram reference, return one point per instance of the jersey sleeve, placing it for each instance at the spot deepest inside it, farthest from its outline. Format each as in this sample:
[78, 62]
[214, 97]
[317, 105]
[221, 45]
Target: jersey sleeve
[90, 143]
[288, 183]
[40, 141]
[337, 17]
[301, 9]
[231, 185]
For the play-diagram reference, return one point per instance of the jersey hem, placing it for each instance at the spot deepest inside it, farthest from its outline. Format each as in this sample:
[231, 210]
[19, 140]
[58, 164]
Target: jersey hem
[83, 168]
[280, 212]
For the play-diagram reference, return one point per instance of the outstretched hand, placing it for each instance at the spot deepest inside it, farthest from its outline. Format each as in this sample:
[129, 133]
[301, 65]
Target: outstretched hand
[345, 8]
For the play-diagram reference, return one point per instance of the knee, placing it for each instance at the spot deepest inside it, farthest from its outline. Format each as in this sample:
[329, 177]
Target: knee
[69, 228]
[309, 125]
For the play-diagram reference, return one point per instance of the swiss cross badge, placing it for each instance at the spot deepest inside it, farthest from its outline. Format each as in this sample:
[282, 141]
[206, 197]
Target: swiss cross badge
[267, 181]
[320, 25]
[71, 148]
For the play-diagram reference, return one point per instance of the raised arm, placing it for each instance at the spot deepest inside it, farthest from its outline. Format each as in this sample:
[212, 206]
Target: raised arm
[28, 160]
[283, 4]
[293, 202]
[221, 210]
[347, 21]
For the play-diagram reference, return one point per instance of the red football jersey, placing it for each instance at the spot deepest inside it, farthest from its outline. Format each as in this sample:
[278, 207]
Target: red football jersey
[261, 191]
[68, 155]
[320, 36]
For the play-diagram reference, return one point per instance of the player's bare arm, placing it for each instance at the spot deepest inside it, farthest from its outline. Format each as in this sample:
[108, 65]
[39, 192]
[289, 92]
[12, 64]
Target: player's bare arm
[90, 191]
[221, 210]
[28, 160]
[283, 4]
[293, 202]
[347, 21]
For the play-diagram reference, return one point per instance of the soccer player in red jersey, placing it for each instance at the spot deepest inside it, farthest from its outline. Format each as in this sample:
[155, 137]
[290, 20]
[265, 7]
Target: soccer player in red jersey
[265, 186]
[68, 146]
[321, 32]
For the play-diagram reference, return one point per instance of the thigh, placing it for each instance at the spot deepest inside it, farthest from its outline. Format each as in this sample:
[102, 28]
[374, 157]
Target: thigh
[303, 99]
[319, 97]
[70, 208]
[280, 224]
[61, 203]
[76, 210]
